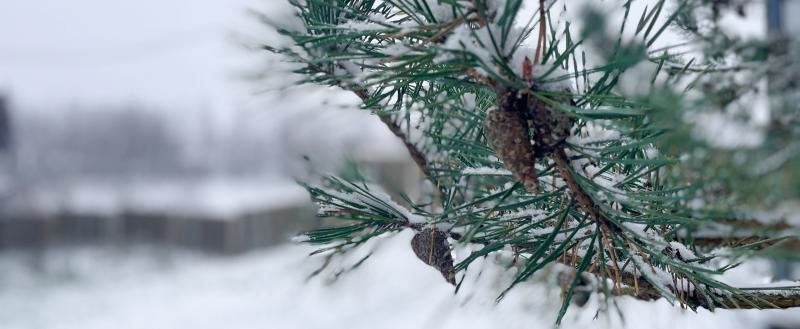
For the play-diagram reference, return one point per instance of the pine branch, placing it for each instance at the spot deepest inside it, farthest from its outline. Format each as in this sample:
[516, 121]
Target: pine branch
[624, 219]
[641, 289]
[748, 300]
[750, 232]
[430, 246]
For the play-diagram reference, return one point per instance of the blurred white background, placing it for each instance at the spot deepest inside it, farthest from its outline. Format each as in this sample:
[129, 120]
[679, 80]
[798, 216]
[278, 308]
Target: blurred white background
[149, 143]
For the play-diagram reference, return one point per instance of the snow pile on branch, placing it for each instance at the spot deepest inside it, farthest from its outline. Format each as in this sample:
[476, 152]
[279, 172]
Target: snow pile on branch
[486, 171]
[372, 197]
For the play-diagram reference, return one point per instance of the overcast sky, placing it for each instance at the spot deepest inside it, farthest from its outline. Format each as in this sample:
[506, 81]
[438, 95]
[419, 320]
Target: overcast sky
[170, 53]
[173, 53]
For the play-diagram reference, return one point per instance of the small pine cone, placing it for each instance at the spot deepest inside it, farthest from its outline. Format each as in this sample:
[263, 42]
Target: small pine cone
[508, 134]
[431, 246]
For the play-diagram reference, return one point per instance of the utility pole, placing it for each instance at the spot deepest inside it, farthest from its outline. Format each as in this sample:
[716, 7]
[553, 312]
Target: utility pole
[5, 128]
[7, 160]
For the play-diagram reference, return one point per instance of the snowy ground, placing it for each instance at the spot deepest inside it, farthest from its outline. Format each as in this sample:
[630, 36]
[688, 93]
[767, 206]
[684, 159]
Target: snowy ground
[153, 288]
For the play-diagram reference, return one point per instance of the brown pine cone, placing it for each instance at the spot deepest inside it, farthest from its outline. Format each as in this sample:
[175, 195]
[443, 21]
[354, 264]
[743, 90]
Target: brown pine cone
[431, 246]
[506, 129]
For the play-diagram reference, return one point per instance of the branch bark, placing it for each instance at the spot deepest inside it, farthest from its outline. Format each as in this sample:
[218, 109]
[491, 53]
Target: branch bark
[759, 300]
